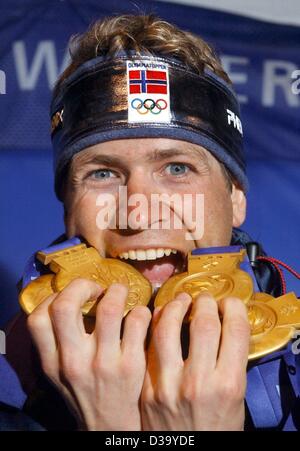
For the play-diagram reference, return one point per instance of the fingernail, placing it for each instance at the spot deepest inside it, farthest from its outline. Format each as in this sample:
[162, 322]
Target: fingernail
[183, 297]
[205, 294]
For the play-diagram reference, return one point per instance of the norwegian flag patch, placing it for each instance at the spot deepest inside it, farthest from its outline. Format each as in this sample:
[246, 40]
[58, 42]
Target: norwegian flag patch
[148, 91]
[148, 82]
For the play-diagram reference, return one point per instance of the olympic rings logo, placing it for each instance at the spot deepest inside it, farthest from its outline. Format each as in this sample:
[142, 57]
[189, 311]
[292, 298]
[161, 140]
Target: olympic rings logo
[143, 107]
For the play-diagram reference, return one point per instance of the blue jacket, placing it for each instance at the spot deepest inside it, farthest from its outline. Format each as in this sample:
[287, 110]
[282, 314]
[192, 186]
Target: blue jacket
[12, 400]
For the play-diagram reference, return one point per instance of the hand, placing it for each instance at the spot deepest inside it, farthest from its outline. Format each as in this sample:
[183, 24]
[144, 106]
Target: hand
[206, 391]
[99, 375]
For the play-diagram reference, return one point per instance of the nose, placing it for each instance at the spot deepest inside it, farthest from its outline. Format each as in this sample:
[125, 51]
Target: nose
[136, 206]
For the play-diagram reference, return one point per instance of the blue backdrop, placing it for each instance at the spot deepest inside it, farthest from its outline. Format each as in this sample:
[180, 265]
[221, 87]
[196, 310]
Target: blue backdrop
[260, 58]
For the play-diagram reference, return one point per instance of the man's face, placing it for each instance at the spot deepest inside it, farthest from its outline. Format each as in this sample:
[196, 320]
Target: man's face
[146, 167]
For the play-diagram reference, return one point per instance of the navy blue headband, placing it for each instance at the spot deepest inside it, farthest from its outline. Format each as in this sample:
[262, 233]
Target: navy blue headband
[133, 96]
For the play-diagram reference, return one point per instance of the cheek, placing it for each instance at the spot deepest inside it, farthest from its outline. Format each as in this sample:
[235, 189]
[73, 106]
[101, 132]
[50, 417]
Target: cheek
[82, 215]
[218, 217]
[219, 204]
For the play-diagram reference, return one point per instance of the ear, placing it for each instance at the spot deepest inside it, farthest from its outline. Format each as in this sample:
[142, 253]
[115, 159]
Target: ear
[239, 206]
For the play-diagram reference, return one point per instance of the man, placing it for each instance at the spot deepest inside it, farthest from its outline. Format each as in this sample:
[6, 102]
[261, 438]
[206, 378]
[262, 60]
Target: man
[146, 106]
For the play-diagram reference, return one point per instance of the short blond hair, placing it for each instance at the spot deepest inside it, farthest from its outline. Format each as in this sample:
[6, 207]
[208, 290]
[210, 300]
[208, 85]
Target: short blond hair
[144, 34]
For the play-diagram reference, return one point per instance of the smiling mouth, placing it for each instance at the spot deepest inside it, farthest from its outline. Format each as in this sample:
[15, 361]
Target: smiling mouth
[156, 264]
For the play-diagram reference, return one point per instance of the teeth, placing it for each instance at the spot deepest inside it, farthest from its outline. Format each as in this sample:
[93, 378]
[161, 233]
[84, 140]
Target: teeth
[151, 254]
[124, 255]
[148, 254]
[132, 255]
[160, 253]
[140, 255]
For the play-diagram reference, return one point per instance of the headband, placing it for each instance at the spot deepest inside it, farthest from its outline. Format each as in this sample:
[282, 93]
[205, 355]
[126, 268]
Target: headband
[133, 96]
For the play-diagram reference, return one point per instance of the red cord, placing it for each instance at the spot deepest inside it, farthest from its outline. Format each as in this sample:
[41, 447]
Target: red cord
[275, 262]
[291, 270]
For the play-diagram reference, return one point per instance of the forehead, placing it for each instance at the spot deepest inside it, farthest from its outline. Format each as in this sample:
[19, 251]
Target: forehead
[144, 149]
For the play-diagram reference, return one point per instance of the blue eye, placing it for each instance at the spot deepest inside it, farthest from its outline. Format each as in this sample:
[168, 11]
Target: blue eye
[103, 174]
[177, 169]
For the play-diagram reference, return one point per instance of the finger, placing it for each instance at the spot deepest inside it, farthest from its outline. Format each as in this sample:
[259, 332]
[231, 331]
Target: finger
[109, 316]
[41, 330]
[205, 332]
[166, 336]
[65, 311]
[156, 314]
[135, 332]
[152, 368]
[147, 394]
[233, 356]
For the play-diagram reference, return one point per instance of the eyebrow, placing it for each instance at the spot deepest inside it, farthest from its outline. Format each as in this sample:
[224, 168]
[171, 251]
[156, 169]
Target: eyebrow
[101, 159]
[163, 154]
[153, 156]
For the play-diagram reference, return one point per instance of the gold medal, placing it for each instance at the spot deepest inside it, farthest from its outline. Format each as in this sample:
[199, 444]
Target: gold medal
[82, 262]
[36, 292]
[273, 321]
[219, 274]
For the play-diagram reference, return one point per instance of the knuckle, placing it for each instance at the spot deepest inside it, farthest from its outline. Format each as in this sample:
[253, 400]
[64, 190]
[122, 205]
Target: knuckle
[170, 320]
[110, 309]
[189, 393]
[232, 391]
[194, 393]
[139, 314]
[61, 308]
[161, 397]
[161, 334]
[102, 369]
[239, 327]
[72, 370]
[234, 306]
[208, 324]
[35, 321]
[164, 400]
[147, 398]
